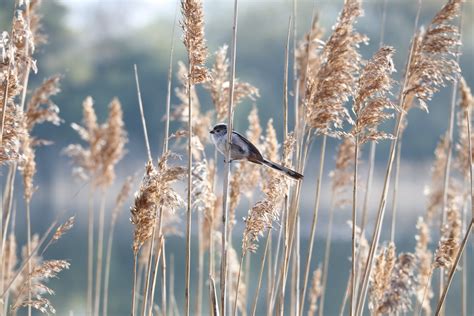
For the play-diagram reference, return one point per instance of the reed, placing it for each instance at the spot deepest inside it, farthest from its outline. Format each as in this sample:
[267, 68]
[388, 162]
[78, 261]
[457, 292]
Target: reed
[335, 93]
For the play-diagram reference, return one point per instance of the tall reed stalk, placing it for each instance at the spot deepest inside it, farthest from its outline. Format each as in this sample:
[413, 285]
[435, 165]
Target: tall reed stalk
[354, 225]
[189, 192]
[447, 168]
[314, 221]
[225, 207]
[382, 203]
[150, 159]
[90, 250]
[100, 253]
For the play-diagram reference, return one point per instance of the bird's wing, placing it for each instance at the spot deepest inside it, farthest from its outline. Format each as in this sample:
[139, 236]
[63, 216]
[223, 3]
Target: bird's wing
[253, 150]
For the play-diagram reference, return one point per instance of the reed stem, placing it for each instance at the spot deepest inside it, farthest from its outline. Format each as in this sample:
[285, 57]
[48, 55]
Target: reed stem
[28, 252]
[134, 290]
[108, 260]
[234, 312]
[381, 209]
[189, 192]
[314, 222]
[395, 191]
[100, 253]
[260, 275]
[354, 226]
[90, 251]
[225, 214]
[327, 256]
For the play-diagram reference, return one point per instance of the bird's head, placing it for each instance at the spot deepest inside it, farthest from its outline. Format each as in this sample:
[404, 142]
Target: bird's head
[219, 129]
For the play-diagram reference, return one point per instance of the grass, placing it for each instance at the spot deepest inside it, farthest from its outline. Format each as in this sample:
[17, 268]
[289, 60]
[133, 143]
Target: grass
[338, 97]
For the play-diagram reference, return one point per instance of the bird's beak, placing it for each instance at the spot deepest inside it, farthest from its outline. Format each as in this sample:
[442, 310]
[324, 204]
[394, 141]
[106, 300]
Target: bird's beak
[212, 132]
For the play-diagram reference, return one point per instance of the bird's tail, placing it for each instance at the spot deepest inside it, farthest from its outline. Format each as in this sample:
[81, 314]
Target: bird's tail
[291, 173]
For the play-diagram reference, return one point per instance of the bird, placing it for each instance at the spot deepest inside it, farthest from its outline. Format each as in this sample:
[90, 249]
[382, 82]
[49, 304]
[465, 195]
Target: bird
[242, 149]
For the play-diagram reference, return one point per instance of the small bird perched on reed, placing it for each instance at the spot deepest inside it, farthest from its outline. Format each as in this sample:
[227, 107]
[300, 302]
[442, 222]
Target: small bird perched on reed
[242, 149]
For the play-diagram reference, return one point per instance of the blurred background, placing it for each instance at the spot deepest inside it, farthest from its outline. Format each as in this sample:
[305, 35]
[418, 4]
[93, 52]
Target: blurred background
[94, 44]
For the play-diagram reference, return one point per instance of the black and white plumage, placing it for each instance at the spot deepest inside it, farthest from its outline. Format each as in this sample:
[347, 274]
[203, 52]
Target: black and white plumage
[242, 149]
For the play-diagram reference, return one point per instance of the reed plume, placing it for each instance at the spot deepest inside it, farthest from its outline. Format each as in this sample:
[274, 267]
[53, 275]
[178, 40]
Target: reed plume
[194, 40]
[371, 99]
[40, 108]
[40, 274]
[380, 279]
[450, 239]
[337, 76]
[114, 140]
[63, 228]
[308, 54]
[13, 132]
[466, 103]
[315, 292]
[435, 191]
[398, 296]
[155, 190]
[202, 121]
[433, 60]
[342, 175]
[218, 86]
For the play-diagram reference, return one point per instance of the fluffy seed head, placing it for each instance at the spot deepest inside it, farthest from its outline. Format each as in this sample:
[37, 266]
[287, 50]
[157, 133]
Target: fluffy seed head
[337, 76]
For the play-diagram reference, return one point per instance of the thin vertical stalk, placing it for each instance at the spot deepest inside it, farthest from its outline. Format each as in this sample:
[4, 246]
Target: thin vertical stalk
[172, 296]
[164, 305]
[6, 205]
[214, 305]
[200, 283]
[189, 192]
[346, 295]
[382, 204]
[314, 222]
[148, 272]
[354, 225]
[449, 154]
[230, 116]
[368, 186]
[260, 275]
[147, 144]
[379, 220]
[453, 268]
[271, 275]
[100, 253]
[468, 118]
[165, 149]
[168, 86]
[395, 192]
[419, 305]
[327, 256]
[447, 171]
[90, 250]
[134, 289]
[142, 115]
[154, 274]
[248, 260]
[108, 259]
[296, 262]
[464, 267]
[234, 312]
[373, 145]
[28, 252]
[291, 225]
